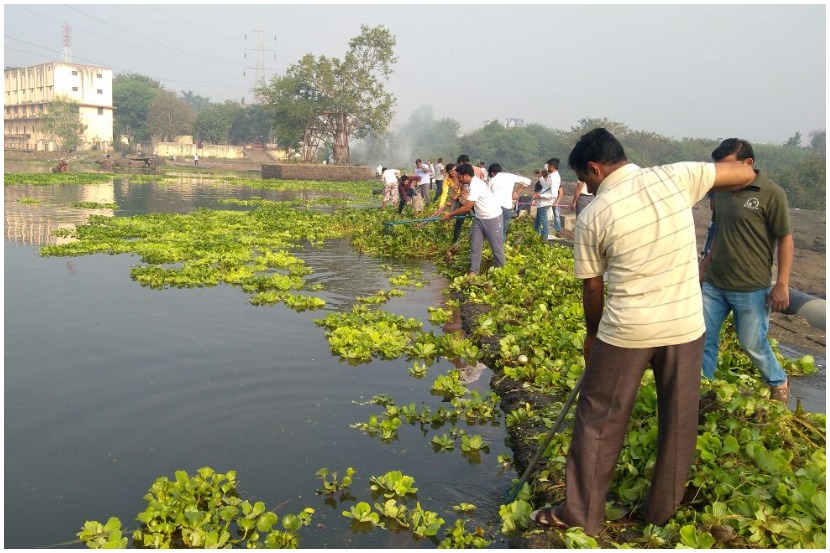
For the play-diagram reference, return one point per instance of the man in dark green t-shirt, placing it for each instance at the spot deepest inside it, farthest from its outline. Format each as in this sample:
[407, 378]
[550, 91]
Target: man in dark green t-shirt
[737, 272]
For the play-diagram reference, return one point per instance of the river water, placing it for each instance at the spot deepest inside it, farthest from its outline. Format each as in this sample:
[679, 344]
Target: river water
[109, 385]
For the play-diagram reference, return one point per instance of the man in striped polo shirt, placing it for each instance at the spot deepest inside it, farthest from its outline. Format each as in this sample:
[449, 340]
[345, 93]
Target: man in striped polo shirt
[638, 230]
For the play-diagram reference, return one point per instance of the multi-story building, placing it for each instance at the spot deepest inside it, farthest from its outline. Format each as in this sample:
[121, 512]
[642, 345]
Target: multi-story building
[28, 91]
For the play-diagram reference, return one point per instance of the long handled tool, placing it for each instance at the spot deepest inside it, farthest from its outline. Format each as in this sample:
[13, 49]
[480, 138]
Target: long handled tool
[513, 491]
[388, 224]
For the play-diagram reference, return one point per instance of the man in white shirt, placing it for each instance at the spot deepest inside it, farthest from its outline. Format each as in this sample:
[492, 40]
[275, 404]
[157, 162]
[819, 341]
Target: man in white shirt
[502, 185]
[488, 219]
[422, 171]
[555, 181]
[390, 186]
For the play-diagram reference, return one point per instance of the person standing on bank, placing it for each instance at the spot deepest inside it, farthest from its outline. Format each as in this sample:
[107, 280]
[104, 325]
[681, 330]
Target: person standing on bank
[502, 185]
[422, 171]
[582, 197]
[488, 218]
[555, 182]
[737, 272]
[639, 230]
[544, 200]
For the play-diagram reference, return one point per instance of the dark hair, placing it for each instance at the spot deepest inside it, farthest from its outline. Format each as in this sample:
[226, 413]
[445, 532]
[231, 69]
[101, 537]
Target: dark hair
[382, 169]
[463, 158]
[418, 160]
[741, 148]
[554, 162]
[465, 169]
[599, 146]
[494, 169]
[449, 167]
[440, 160]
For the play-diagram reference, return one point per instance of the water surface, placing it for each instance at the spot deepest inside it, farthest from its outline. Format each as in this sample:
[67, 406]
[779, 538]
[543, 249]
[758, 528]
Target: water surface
[109, 385]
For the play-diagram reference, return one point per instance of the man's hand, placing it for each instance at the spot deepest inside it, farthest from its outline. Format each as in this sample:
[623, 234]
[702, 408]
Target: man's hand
[779, 297]
[446, 216]
[588, 345]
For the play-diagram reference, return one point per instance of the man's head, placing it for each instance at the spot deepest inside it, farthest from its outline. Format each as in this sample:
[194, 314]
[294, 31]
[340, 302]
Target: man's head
[553, 164]
[462, 159]
[382, 169]
[449, 169]
[465, 173]
[734, 149]
[494, 169]
[417, 162]
[596, 155]
[440, 160]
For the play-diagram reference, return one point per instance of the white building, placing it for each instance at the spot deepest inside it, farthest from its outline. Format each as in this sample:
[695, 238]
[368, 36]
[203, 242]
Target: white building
[27, 92]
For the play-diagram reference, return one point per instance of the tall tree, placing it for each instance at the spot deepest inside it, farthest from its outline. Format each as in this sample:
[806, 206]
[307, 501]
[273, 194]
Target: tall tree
[253, 124]
[794, 140]
[818, 141]
[338, 100]
[198, 103]
[63, 121]
[169, 116]
[132, 95]
[213, 123]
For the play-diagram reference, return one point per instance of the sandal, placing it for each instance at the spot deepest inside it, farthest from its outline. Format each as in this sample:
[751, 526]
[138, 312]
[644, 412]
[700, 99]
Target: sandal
[547, 517]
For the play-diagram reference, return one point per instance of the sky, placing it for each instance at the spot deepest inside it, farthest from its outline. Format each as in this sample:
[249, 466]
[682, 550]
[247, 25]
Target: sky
[756, 71]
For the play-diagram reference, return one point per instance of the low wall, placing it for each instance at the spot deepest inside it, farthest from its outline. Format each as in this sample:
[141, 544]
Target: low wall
[221, 151]
[303, 171]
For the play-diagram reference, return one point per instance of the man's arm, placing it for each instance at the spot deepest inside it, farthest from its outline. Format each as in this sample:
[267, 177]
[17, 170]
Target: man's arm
[559, 197]
[577, 191]
[593, 302]
[779, 297]
[460, 211]
[732, 175]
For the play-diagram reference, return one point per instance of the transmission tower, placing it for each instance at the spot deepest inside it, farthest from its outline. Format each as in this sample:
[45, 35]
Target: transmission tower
[67, 43]
[259, 55]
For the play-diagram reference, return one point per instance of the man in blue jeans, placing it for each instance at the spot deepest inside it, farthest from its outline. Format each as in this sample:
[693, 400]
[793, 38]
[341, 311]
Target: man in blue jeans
[737, 272]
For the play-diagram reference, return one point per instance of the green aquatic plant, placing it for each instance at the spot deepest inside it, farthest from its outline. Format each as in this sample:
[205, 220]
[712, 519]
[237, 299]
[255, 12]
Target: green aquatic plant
[45, 179]
[201, 511]
[393, 484]
[331, 484]
[95, 205]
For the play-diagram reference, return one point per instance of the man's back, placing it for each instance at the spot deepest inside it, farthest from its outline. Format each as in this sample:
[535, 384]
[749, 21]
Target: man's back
[640, 230]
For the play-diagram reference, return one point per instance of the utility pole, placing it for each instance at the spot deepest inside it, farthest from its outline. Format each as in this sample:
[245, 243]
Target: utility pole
[67, 43]
[259, 55]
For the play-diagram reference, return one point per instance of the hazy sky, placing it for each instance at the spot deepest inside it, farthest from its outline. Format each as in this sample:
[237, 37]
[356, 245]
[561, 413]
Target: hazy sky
[707, 71]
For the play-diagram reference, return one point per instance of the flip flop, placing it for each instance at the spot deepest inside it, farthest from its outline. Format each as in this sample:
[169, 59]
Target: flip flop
[547, 517]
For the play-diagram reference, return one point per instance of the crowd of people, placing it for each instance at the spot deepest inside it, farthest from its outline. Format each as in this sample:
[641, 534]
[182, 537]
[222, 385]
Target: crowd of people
[648, 301]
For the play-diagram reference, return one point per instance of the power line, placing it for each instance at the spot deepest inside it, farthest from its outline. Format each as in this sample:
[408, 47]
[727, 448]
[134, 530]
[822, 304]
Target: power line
[208, 32]
[179, 51]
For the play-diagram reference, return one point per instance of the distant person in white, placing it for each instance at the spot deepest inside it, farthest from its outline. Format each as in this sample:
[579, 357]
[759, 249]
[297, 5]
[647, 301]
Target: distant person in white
[502, 185]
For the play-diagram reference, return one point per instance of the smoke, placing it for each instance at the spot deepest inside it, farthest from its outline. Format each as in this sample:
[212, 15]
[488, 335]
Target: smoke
[399, 148]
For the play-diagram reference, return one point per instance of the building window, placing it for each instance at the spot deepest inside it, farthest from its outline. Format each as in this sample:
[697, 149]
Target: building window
[74, 72]
[100, 91]
[74, 89]
[100, 111]
[100, 76]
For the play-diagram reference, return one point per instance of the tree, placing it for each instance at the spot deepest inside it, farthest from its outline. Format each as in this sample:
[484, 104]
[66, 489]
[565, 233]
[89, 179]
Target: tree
[818, 141]
[619, 130]
[213, 123]
[63, 121]
[132, 95]
[196, 102]
[253, 124]
[337, 100]
[794, 140]
[169, 116]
